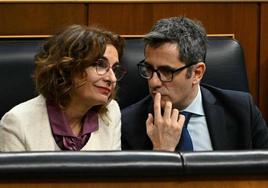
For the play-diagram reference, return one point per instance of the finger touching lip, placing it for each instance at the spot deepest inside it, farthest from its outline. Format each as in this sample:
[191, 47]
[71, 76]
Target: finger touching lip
[157, 105]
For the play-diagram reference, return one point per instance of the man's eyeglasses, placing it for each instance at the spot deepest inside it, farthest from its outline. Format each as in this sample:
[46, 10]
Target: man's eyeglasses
[164, 73]
[102, 67]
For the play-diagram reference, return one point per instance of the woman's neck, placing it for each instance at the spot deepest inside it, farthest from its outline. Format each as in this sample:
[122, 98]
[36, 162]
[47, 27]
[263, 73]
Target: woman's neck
[74, 114]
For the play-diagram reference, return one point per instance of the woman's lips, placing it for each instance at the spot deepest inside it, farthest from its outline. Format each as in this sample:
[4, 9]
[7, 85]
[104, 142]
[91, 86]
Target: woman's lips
[104, 90]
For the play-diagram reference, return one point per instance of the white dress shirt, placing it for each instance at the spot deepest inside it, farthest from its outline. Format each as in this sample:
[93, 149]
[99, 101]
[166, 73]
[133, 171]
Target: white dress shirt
[197, 125]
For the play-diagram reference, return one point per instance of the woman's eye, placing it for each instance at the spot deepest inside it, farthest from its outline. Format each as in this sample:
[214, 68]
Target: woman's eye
[102, 64]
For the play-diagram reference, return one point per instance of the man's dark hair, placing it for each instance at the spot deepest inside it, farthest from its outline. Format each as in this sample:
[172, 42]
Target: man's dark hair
[189, 35]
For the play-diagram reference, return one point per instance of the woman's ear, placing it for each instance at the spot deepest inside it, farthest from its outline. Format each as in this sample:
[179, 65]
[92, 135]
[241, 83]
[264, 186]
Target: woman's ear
[199, 71]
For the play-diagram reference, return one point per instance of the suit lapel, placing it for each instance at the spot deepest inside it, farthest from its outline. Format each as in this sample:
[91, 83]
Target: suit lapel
[45, 140]
[215, 118]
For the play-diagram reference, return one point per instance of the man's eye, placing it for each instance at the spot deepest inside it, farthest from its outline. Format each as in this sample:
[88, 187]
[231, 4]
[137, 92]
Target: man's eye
[165, 70]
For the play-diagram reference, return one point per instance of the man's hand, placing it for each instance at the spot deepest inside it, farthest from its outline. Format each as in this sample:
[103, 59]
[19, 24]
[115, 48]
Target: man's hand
[164, 130]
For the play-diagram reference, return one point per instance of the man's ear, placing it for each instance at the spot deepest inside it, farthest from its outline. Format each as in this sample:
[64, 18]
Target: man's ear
[198, 71]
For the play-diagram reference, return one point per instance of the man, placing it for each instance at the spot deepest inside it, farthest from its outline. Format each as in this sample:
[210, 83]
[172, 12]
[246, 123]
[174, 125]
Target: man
[175, 51]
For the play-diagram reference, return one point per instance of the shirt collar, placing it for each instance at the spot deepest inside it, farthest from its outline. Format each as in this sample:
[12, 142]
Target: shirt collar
[60, 126]
[196, 106]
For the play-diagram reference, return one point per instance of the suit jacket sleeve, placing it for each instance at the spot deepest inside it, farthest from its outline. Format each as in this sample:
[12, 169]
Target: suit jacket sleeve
[11, 133]
[259, 128]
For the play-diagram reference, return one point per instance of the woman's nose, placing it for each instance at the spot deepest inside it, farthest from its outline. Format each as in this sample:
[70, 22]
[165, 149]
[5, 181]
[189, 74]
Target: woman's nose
[110, 75]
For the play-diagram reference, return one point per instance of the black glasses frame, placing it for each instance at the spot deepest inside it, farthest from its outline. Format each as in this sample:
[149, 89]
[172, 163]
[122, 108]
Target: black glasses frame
[173, 71]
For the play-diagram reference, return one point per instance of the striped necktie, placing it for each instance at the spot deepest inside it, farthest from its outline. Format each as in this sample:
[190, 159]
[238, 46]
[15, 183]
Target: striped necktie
[185, 143]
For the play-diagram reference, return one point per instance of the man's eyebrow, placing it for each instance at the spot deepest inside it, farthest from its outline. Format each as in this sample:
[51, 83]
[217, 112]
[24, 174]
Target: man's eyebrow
[160, 67]
[166, 67]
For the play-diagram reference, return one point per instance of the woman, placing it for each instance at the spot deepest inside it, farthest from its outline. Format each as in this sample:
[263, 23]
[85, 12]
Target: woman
[75, 73]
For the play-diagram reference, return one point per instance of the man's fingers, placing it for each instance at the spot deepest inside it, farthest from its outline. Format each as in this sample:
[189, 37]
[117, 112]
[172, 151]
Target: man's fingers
[157, 105]
[167, 110]
[181, 119]
[174, 116]
[150, 120]
[149, 124]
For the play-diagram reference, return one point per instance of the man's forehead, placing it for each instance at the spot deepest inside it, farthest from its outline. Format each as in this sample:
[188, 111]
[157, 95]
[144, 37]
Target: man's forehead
[165, 55]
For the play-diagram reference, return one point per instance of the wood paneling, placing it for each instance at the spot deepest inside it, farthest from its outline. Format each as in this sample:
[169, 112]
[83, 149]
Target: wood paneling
[264, 61]
[123, 18]
[237, 18]
[21, 19]
[241, 18]
[234, 182]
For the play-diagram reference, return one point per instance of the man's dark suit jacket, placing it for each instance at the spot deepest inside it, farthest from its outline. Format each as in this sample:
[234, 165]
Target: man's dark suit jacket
[234, 122]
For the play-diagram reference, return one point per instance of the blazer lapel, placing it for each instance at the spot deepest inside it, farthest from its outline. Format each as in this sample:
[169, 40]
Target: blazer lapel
[215, 120]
